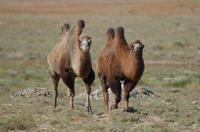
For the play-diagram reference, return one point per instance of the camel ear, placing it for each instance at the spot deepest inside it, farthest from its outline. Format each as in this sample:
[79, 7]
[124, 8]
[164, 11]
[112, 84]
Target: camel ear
[120, 32]
[139, 42]
[110, 33]
[89, 40]
[132, 46]
[80, 26]
[142, 46]
[65, 27]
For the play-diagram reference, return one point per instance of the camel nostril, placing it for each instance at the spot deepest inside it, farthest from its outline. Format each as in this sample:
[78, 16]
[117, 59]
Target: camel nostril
[85, 47]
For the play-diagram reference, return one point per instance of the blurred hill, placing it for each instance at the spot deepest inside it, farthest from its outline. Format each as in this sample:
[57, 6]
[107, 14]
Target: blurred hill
[135, 7]
[76, 1]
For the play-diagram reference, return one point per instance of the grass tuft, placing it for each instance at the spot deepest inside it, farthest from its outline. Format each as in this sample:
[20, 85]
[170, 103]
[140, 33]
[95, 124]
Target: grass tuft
[19, 122]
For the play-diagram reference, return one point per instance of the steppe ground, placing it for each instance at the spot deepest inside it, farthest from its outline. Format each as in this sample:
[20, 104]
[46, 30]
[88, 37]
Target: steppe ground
[169, 29]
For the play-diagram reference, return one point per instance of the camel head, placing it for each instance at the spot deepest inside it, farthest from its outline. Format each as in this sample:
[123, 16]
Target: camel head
[137, 48]
[84, 43]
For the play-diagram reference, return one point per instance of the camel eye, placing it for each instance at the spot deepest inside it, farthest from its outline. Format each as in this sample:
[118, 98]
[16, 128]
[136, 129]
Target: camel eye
[142, 46]
[89, 41]
[80, 39]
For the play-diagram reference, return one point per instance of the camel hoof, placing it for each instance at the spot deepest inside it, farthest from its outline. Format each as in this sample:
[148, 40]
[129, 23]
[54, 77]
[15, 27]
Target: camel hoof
[125, 110]
[130, 110]
[114, 107]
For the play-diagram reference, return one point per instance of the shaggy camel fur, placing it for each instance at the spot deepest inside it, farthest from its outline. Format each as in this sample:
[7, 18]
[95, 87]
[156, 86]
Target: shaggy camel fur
[119, 62]
[71, 58]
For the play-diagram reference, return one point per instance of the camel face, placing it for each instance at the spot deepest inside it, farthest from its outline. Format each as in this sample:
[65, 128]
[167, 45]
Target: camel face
[137, 48]
[85, 43]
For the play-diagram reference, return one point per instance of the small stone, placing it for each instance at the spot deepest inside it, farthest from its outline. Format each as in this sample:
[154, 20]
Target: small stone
[194, 102]
[32, 92]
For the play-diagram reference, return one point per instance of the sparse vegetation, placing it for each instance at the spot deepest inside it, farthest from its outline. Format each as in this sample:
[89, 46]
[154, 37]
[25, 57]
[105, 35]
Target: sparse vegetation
[17, 122]
[171, 37]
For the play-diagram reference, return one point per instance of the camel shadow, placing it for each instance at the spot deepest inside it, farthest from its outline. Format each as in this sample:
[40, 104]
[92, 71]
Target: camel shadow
[131, 110]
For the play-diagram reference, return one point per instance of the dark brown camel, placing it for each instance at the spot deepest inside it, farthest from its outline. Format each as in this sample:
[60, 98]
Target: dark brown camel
[117, 62]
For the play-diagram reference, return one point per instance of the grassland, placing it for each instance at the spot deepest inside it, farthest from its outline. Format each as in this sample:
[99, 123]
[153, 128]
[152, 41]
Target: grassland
[172, 49]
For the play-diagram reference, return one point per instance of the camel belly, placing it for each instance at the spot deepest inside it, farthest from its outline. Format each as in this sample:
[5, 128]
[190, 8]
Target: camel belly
[81, 69]
[135, 73]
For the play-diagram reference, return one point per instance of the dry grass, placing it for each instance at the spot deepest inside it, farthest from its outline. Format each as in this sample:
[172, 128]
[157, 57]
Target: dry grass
[145, 8]
[171, 35]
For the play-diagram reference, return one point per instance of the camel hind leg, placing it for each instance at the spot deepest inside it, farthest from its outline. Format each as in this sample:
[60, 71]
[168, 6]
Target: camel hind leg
[88, 82]
[128, 87]
[115, 86]
[55, 80]
[68, 80]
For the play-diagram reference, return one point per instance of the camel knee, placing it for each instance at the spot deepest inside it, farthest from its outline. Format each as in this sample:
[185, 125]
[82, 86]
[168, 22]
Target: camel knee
[126, 96]
[54, 76]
